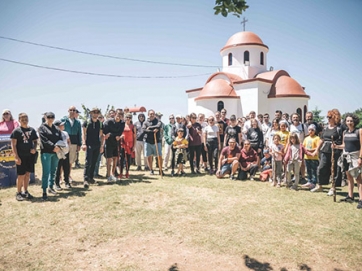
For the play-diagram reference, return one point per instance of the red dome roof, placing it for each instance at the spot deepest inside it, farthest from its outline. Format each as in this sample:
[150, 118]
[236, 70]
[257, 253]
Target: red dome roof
[286, 86]
[243, 38]
[217, 88]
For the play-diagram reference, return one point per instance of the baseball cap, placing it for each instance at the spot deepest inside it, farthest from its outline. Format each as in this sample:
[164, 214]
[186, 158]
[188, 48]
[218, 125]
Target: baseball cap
[312, 126]
[58, 123]
[49, 114]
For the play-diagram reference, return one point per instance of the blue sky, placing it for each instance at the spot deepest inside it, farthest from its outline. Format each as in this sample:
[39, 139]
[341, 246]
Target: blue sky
[317, 42]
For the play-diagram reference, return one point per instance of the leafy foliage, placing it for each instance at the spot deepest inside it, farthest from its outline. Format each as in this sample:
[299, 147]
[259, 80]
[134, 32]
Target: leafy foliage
[236, 7]
[357, 112]
[86, 110]
[317, 115]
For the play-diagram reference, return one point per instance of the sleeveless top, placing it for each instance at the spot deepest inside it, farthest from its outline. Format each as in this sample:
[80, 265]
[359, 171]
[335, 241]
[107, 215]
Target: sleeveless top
[351, 141]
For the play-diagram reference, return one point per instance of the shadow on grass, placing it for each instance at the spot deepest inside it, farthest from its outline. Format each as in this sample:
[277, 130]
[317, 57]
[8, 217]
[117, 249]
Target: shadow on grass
[173, 267]
[139, 178]
[65, 193]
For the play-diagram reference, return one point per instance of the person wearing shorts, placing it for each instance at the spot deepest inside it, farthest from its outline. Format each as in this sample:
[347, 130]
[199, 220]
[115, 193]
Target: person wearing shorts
[229, 160]
[152, 127]
[24, 141]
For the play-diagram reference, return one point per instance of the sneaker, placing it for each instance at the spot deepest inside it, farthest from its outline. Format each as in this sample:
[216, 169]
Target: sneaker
[198, 171]
[206, 169]
[45, 196]
[251, 178]
[348, 199]
[70, 179]
[211, 171]
[193, 172]
[77, 165]
[147, 168]
[86, 184]
[127, 175]
[52, 191]
[27, 195]
[232, 177]
[172, 173]
[183, 174]
[92, 181]
[19, 197]
[58, 188]
[307, 185]
[312, 185]
[330, 192]
[270, 180]
[359, 205]
[109, 179]
[294, 187]
[139, 168]
[67, 185]
[152, 172]
[114, 179]
[278, 185]
[317, 188]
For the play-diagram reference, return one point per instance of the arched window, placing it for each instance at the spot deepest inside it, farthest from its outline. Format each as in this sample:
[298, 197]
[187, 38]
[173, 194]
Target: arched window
[246, 58]
[220, 105]
[305, 112]
[299, 111]
[261, 58]
[230, 59]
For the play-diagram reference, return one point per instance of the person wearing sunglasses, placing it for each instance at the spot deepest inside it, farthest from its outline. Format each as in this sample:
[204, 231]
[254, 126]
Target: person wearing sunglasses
[49, 135]
[7, 123]
[74, 129]
[92, 144]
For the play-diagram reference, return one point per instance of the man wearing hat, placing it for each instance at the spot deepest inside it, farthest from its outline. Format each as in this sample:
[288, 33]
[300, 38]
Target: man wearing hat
[63, 163]
[73, 127]
[92, 143]
[152, 127]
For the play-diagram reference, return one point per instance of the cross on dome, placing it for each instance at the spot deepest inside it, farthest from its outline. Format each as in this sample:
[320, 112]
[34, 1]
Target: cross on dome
[243, 22]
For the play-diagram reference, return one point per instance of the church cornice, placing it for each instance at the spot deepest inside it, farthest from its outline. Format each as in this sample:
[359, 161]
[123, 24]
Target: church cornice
[243, 44]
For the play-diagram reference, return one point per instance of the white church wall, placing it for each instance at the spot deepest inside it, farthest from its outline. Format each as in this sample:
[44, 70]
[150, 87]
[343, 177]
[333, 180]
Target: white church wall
[209, 106]
[287, 105]
[248, 93]
[263, 100]
[245, 71]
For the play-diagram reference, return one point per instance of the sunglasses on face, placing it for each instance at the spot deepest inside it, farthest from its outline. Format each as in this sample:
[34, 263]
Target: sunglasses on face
[246, 144]
[72, 110]
[172, 118]
[51, 117]
[5, 114]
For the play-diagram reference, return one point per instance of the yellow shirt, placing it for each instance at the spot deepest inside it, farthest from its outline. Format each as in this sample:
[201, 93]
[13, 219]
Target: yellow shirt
[311, 143]
[284, 137]
[180, 141]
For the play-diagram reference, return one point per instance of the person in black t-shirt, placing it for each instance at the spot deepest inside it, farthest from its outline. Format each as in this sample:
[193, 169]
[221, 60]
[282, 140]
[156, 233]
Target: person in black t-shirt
[92, 143]
[24, 141]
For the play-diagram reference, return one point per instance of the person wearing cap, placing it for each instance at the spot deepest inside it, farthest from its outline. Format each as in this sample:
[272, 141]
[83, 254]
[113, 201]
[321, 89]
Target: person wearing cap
[233, 131]
[140, 143]
[112, 130]
[167, 135]
[24, 141]
[63, 164]
[311, 143]
[195, 143]
[180, 144]
[92, 143]
[49, 135]
[74, 129]
[7, 123]
[152, 127]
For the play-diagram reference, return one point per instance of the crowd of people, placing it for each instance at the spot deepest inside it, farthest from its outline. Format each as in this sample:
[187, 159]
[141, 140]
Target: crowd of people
[287, 152]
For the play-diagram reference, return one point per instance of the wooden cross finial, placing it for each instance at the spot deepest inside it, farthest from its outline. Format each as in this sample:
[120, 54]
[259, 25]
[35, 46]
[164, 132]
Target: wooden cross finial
[243, 22]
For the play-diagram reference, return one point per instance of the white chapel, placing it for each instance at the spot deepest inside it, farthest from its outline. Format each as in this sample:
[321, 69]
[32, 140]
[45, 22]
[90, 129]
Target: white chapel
[245, 84]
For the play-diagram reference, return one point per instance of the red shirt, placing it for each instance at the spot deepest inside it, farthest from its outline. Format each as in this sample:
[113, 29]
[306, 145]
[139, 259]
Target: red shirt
[7, 127]
[249, 157]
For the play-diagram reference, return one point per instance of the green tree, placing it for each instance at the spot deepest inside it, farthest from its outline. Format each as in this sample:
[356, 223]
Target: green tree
[235, 7]
[86, 111]
[317, 115]
[357, 112]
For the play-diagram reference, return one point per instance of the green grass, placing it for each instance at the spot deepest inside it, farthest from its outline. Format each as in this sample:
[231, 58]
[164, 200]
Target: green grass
[189, 223]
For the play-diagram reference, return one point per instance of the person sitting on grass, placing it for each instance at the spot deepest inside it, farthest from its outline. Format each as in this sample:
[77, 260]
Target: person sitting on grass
[180, 144]
[229, 160]
[266, 171]
[248, 162]
[293, 159]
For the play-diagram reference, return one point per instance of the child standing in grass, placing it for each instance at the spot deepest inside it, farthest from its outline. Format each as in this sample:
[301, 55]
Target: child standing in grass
[311, 143]
[180, 144]
[294, 156]
[277, 154]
